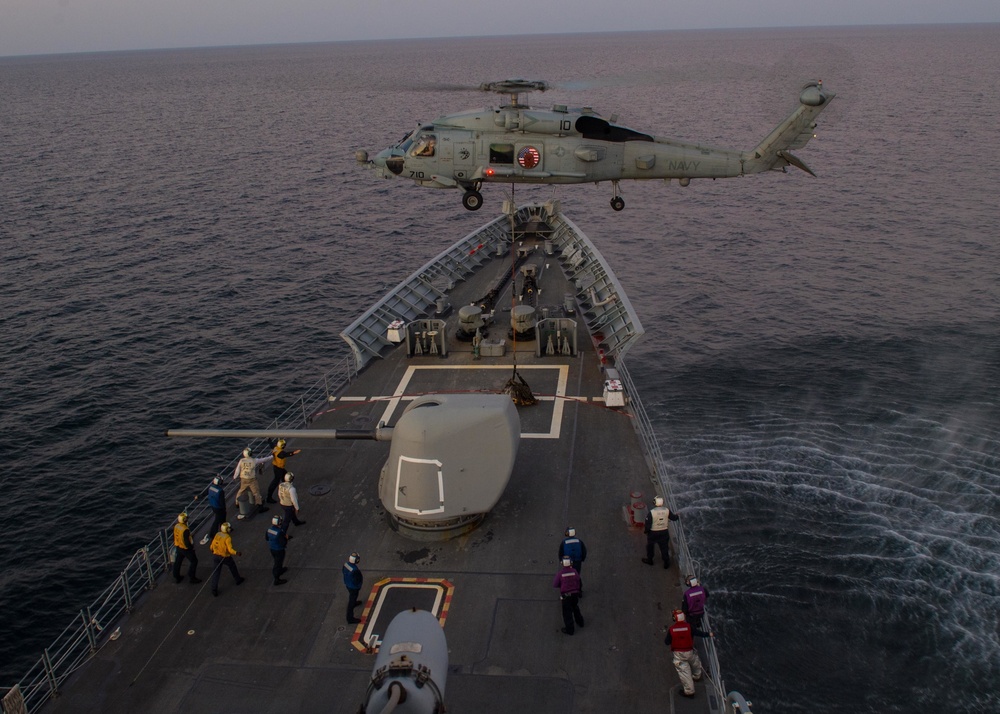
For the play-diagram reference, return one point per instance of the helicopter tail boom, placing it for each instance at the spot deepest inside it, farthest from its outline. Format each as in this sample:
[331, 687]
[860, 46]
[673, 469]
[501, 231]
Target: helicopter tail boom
[773, 153]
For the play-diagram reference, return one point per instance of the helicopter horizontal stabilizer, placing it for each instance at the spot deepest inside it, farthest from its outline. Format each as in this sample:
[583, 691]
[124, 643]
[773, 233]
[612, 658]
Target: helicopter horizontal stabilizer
[796, 162]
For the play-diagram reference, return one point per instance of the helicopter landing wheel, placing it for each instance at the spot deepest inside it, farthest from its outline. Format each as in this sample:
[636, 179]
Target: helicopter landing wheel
[472, 200]
[618, 203]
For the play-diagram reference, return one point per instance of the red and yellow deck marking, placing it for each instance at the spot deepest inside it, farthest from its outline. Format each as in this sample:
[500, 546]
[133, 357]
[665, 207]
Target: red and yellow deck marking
[390, 596]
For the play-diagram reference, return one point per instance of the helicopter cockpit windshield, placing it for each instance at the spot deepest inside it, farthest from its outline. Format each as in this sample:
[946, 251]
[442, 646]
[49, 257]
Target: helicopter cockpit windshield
[406, 142]
[424, 145]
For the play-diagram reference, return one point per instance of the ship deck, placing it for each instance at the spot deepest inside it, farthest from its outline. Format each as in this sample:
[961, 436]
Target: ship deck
[265, 648]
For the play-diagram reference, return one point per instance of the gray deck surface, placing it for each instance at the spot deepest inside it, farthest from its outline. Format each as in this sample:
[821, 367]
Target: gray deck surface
[262, 648]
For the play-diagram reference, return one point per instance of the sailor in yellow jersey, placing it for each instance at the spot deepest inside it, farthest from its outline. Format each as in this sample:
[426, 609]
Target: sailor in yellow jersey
[278, 458]
[222, 553]
[185, 549]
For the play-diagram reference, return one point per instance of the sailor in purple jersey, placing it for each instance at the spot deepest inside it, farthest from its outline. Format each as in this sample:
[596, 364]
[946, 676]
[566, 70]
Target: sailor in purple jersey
[570, 585]
[693, 602]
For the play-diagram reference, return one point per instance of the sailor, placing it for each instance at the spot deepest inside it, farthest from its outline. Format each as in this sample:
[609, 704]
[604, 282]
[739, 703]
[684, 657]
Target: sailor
[570, 586]
[353, 580]
[693, 601]
[217, 502]
[575, 548]
[278, 458]
[222, 553]
[289, 499]
[185, 549]
[277, 542]
[680, 637]
[656, 528]
[246, 472]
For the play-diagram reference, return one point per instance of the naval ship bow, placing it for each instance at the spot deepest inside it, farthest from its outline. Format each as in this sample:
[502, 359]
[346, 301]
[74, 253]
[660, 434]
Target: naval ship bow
[485, 407]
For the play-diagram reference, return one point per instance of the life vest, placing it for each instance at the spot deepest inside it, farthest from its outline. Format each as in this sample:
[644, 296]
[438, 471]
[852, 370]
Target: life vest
[278, 461]
[274, 538]
[661, 518]
[695, 598]
[179, 530]
[352, 576]
[681, 637]
[216, 496]
[247, 468]
[569, 582]
[572, 548]
[222, 544]
[285, 494]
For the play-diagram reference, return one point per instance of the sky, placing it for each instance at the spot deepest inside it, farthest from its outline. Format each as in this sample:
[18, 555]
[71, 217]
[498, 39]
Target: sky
[57, 26]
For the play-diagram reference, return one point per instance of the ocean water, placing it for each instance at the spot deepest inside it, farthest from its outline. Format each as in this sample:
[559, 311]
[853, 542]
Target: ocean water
[185, 233]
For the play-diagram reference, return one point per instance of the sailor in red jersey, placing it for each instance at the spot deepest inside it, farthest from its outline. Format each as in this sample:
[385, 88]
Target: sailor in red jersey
[680, 637]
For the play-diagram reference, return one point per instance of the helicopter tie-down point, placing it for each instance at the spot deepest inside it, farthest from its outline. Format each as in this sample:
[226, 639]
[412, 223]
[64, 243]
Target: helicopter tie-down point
[515, 143]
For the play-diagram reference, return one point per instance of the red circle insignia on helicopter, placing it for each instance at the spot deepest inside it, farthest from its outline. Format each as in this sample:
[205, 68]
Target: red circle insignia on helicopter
[528, 157]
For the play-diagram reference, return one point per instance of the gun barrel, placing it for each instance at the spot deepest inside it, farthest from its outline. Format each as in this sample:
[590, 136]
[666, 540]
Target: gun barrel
[382, 434]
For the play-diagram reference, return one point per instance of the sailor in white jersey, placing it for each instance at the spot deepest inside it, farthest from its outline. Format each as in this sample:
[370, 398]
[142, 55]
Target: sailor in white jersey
[246, 472]
[657, 530]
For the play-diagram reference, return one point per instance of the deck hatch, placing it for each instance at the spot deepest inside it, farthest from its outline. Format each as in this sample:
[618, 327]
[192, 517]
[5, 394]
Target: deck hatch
[419, 486]
[393, 595]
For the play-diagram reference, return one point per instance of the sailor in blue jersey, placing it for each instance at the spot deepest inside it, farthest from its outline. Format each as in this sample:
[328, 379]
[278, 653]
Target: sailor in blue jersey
[656, 528]
[277, 541]
[217, 502]
[353, 580]
[574, 549]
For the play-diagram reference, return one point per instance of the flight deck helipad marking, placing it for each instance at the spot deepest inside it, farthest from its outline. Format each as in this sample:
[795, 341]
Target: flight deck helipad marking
[558, 399]
[390, 596]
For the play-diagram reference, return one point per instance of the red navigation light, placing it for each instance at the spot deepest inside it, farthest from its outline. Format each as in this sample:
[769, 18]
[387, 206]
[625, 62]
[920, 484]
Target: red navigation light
[490, 172]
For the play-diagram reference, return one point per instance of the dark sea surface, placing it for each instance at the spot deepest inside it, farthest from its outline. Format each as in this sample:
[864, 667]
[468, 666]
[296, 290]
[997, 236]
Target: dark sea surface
[185, 233]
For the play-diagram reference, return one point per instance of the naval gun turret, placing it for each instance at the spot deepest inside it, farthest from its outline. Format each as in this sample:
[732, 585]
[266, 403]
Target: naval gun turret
[449, 462]
[450, 459]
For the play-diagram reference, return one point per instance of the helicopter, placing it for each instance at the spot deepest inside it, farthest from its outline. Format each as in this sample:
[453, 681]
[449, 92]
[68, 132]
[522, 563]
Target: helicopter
[517, 144]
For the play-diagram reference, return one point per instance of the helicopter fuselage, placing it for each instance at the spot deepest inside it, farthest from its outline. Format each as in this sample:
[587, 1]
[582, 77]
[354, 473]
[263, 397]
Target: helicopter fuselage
[519, 144]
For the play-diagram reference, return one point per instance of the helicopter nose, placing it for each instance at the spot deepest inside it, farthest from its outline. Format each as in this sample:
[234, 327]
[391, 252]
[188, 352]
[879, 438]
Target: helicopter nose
[391, 160]
[395, 164]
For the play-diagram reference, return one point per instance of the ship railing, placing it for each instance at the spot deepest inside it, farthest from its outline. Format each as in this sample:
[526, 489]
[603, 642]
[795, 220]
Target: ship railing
[686, 563]
[417, 295]
[91, 629]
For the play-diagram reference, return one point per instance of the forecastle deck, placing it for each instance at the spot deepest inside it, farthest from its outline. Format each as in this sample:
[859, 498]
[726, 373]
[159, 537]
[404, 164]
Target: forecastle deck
[288, 648]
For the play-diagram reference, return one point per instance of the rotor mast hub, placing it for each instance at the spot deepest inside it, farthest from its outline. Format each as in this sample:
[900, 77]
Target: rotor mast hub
[514, 88]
